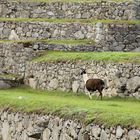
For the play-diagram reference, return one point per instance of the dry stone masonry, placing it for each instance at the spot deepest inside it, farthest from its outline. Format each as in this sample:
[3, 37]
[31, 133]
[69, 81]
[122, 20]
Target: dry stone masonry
[13, 57]
[23, 126]
[95, 10]
[107, 37]
[122, 79]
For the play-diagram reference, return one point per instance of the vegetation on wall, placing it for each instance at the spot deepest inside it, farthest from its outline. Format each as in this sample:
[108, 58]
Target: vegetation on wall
[66, 20]
[56, 56]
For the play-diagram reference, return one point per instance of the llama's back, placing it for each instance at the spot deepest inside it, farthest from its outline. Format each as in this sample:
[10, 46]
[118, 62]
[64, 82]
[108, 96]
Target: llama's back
[95, 84]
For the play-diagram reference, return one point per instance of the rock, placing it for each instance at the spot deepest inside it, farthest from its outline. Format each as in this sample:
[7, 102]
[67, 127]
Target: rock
[134, 134]
[32, 83]
[64, 136]
[79, 35]
[53, 84]
[86, 15]
[103, 135]
[96, 131]
[36, 133]
[13, 36]
[136, 95]
[121, 85]
[136, 50]
[86, 136]
[133, 84]
[118, 74]
[119, 132]
[50, 13]
[4, 84]
[5, 130]
[46, 134]
[75, 86]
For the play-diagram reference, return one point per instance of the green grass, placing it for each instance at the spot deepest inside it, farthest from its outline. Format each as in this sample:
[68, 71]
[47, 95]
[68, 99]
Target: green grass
[76, 1]
[65, 20]
[109, 111]
[56, 56]
[60, 42]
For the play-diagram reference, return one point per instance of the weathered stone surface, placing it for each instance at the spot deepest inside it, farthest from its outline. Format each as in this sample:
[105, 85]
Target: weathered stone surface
[4, 84]
[13, 36]
[119, 132]
[53, 84]
[103, 135]
[12, 126]
[100, 10]
[96, 130]
[133, 84]
[65, 78]
[46, 134]
[134, 134]
[32, 83]
[79, 35]
[75, 86]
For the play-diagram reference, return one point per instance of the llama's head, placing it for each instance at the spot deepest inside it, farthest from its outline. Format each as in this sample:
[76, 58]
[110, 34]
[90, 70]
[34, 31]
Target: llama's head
[83, 71]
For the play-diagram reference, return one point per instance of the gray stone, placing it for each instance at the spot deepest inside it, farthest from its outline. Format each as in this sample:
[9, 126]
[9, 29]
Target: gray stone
[79, 35]
[13, 36]
[53, 84]
[50, 13]
[75, 86]
[5, 131]
[136, 50]
[121, 85]
[119, 132]
[32, 83]
[96, 130]
[137, 95]
[133, 84]
[46, 134]
[86, 15]
[103, 135]
[4, 85]
[134, 134]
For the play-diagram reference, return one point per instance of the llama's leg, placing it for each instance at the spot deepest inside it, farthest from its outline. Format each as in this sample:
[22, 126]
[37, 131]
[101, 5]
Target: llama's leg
[100, 91]
[101, 95]
[89, 95]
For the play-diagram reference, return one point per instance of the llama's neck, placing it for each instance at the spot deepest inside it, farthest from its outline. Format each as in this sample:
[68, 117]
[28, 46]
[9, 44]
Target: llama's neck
[85, 77]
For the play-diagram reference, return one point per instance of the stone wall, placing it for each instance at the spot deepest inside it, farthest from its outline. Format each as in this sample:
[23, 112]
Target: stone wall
[122, 79]
[107, 37]
[13, 57]
[96, 10]
[22, 126]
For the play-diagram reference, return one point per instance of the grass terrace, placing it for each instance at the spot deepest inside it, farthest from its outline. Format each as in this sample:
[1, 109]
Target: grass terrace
[55, 56]
[66, 20]
[109, 111]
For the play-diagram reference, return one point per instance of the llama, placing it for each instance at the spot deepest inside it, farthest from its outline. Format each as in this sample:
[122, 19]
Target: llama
[92, 85]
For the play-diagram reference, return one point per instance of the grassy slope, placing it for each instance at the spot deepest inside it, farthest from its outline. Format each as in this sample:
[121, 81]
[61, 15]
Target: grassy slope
[65, 20]
[127, 57]
[109, 111]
